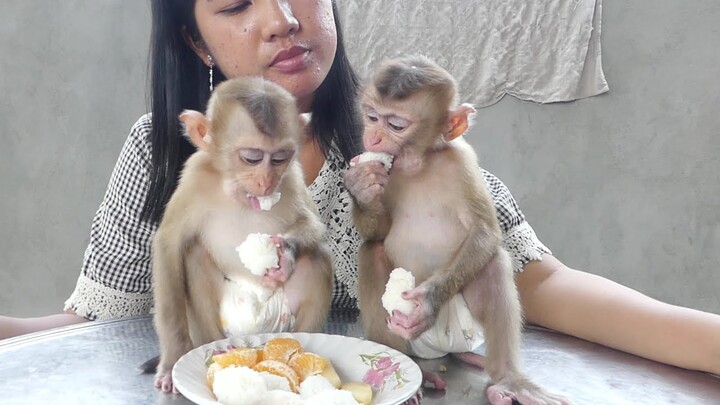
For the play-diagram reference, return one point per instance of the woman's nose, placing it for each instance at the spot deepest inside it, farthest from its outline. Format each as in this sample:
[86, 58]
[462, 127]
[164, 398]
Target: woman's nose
[279, 20]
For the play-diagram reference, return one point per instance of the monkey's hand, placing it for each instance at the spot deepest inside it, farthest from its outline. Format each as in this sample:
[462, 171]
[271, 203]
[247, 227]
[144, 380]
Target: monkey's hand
[366, 182]
[420, 319]
[277, 276]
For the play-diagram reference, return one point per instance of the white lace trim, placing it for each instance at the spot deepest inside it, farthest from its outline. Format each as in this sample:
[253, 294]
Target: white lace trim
[95, 301]
[523, 245]
[335, 206]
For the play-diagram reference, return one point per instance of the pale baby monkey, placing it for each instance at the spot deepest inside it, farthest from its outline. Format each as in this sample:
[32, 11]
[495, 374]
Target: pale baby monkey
[434, 217]
[247, 146]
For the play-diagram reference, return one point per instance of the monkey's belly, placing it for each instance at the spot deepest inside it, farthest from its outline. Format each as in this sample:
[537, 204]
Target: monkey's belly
[421, 243]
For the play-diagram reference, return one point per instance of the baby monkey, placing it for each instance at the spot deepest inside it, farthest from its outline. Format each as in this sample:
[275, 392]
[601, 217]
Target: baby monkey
[432, 215]
[246, 158]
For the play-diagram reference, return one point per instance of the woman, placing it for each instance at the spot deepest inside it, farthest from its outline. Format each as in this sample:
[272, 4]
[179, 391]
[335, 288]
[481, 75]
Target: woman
[196, 41]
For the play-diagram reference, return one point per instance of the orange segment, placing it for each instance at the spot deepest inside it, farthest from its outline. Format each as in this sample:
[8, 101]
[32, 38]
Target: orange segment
[281, 349]
[243, 356]
[279, 368]
[307, 364]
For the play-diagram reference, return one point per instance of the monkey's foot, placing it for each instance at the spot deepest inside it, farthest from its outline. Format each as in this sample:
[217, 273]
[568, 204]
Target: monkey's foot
[163, 382]
[434, 379]
[471, 358]
[522, 391]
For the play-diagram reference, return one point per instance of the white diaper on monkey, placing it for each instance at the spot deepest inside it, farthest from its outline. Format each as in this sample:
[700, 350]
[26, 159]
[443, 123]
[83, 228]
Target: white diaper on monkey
[247, 307]
[454, 331]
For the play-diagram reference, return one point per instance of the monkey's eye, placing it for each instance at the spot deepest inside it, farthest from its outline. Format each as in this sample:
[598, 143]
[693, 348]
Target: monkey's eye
[372, 116]
[251, 156]
[398, 124]
[281, 157]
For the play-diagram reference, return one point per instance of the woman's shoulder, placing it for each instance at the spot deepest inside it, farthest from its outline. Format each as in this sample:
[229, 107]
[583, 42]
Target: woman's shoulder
[141, 129]
[136, 156]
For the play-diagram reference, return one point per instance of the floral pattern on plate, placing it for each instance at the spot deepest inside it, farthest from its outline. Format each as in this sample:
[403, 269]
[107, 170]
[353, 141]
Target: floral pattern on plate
[383, 369]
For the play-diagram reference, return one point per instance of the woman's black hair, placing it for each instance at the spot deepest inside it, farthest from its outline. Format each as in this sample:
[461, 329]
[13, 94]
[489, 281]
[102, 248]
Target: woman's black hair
[179, 81]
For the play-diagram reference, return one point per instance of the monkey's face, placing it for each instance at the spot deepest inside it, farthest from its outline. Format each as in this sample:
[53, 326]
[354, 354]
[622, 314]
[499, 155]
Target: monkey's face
[259, 171]
[291, 43]
[386, 129]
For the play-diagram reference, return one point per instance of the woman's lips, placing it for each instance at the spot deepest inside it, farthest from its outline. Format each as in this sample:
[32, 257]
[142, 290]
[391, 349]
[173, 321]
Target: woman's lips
[290, 60]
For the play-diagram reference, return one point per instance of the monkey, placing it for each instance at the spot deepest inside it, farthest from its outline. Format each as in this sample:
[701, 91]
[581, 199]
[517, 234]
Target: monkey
[247, 144]
[433, 215]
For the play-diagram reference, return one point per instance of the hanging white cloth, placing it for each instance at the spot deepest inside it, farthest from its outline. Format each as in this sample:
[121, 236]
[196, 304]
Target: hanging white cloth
[539, 50]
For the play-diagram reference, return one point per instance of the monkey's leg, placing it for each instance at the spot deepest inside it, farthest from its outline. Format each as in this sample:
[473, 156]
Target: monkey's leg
[309, 291]
[374, 269]
[493, 300]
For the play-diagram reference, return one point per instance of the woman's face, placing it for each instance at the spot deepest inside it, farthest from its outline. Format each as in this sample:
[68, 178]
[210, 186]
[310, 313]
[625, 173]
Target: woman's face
[290, 42]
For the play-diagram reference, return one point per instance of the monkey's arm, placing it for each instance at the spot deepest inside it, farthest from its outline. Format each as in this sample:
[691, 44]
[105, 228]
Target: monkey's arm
[480, 244]
[169, 289]
[373, 222]
[366, 184]
[465, 264]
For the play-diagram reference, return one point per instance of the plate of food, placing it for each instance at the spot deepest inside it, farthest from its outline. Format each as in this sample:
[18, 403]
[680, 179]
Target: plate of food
[296, 368]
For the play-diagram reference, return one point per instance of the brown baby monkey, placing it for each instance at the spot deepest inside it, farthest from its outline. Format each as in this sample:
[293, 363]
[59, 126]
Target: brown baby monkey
[432, 215]
[244, 181]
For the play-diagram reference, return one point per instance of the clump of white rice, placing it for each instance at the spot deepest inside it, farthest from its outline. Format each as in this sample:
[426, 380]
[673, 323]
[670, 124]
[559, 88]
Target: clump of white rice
[235, 385]
[275, 382]
[258, 253]
[267, 202]
[313, 385]
[238, 385]
[400, 281]
[385, 158]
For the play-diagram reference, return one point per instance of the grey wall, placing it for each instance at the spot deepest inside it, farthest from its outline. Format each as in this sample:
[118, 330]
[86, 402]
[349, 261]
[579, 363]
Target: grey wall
[623, 185]
[72, 80]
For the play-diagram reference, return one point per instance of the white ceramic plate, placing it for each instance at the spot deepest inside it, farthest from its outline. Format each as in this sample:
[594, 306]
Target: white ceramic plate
[394, 377]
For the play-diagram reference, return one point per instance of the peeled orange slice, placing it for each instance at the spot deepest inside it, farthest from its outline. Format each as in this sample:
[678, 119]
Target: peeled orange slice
[281, 349]
[279, 368]
[243, 356]
[307, 364]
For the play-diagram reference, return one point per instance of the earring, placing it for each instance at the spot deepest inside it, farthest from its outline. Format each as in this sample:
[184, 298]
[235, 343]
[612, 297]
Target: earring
[210, 61]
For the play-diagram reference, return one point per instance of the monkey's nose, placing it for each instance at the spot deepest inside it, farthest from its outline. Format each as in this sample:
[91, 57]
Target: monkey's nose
[372, 142]
[265, 188]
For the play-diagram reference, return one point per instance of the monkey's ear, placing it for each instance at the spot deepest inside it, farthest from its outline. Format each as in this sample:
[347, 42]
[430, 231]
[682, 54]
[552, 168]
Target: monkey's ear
[196, 128]
[459, 121]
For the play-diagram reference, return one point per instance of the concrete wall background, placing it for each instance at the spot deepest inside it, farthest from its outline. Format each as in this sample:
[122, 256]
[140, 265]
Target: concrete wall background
[623, 185]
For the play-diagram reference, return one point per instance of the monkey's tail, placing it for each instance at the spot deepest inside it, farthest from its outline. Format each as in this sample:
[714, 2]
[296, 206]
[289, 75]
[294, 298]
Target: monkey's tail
[150, 366]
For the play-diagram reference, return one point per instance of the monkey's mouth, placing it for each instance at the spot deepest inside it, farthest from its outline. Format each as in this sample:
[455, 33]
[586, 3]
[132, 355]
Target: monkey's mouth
[263, 203]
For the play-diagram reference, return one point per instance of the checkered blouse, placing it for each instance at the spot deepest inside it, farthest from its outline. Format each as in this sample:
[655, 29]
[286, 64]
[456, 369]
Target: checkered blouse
[116, 280]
